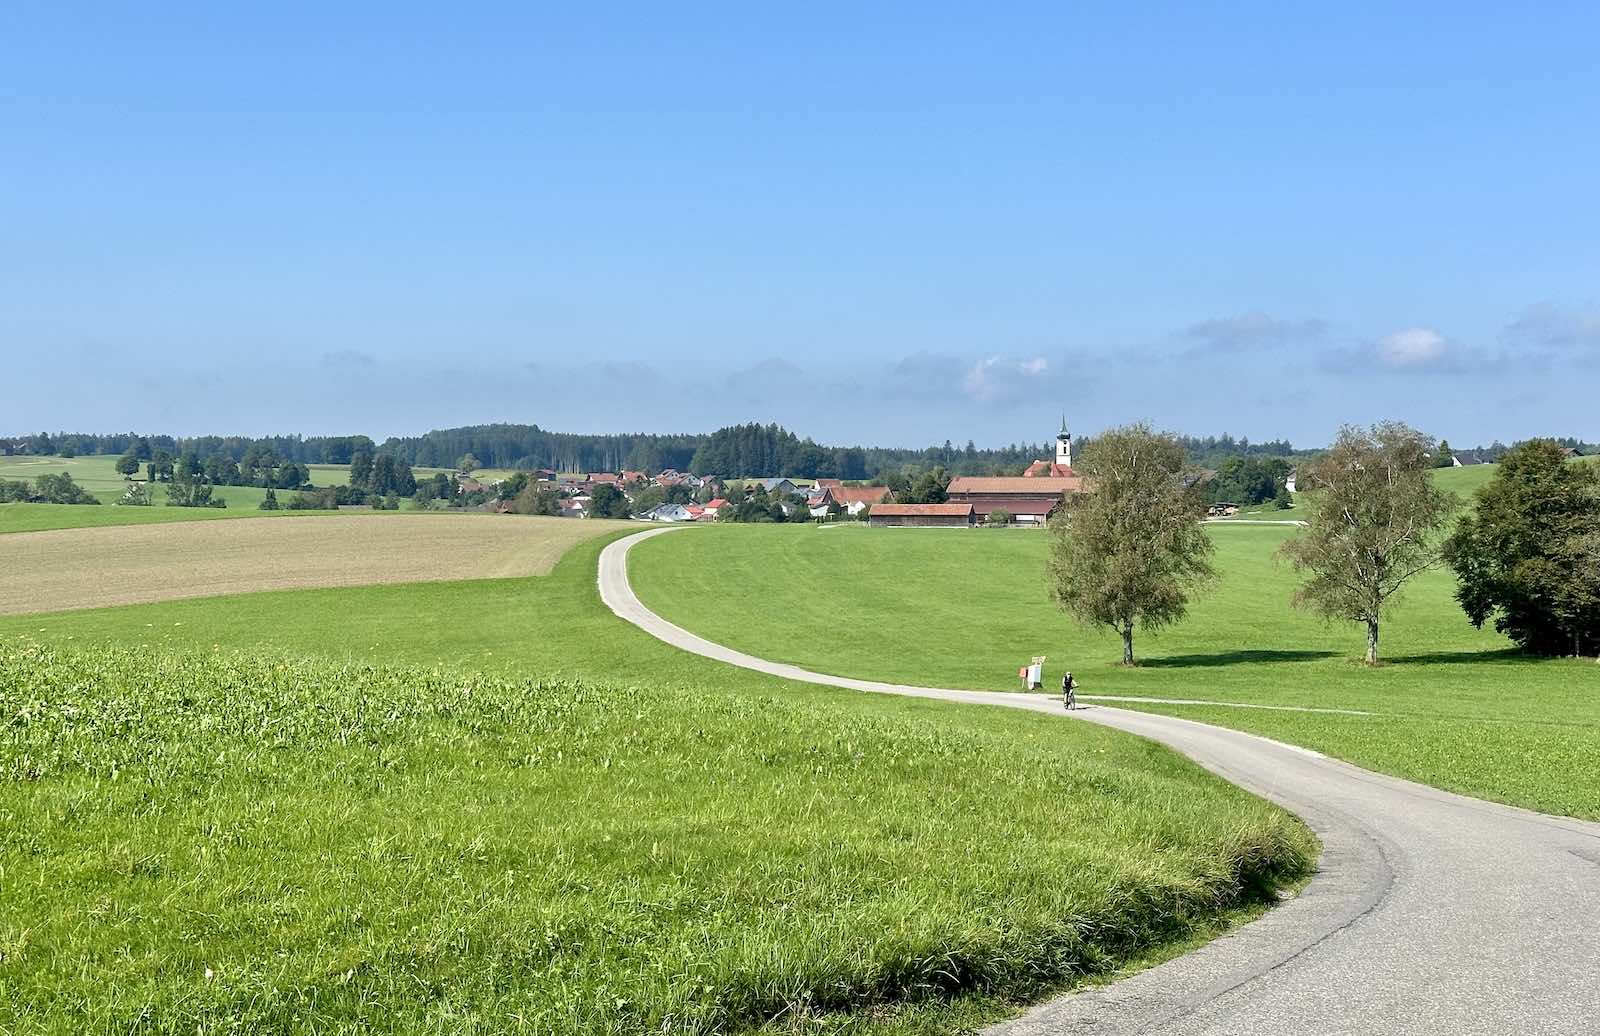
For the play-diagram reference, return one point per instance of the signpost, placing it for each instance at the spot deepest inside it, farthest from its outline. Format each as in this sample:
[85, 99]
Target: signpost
[1032, 674]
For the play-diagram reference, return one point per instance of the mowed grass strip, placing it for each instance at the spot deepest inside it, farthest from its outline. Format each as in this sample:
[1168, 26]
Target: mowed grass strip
[196, 841]
[1453, 706]
[40, 517]
[59, 570]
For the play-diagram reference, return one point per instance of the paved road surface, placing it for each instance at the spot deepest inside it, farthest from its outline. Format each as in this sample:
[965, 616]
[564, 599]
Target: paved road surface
[1431, 913]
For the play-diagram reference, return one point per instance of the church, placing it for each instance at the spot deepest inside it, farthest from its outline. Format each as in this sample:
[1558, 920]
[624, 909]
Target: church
[1031, 497]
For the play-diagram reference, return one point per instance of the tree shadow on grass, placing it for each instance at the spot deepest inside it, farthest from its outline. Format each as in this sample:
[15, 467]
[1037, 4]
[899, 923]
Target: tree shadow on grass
[1227, 658]
[1501, 656]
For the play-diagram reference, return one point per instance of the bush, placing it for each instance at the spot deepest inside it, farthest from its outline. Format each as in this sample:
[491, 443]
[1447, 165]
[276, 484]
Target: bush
[326, 499]
[271, 501]
[1283, 501]
[60, 489]
[998, 516]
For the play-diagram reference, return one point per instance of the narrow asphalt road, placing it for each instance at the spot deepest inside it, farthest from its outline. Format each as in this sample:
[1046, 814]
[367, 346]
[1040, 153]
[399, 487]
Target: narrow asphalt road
[1431, 913]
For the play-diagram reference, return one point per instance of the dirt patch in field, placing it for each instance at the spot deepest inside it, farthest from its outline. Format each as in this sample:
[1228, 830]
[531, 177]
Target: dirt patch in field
[64, 569]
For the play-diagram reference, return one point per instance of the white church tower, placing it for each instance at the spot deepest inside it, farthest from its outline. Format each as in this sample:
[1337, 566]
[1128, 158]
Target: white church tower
[1064, 444]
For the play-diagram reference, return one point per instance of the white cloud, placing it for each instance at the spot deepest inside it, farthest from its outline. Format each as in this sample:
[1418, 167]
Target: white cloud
[998, 379]
[1413, 347]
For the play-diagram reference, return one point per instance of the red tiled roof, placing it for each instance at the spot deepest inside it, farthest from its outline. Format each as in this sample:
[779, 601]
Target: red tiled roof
[847, 495]
[1037, 486]
[908, 510]
[1048, 469]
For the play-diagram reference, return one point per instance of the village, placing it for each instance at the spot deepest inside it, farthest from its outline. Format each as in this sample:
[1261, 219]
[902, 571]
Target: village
[672, 496]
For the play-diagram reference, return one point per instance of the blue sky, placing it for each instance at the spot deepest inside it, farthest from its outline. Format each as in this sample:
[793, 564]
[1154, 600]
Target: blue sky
[895, 225]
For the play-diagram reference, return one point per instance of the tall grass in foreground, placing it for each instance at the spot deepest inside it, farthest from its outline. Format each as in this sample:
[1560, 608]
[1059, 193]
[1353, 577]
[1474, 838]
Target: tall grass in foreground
[215, 842]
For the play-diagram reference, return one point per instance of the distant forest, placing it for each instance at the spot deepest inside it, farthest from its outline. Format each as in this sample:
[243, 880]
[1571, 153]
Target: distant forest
[740, 450]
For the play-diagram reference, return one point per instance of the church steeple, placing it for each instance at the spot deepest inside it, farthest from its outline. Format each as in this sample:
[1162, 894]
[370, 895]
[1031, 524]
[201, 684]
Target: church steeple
[1064, 444]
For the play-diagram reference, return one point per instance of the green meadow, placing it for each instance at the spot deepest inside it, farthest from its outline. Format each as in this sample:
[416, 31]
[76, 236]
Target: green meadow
[98, 475]
[339, 474]
[491, 806]
[1452, 706]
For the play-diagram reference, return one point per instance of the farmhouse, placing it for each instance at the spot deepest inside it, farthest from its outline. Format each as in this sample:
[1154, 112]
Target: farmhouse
[1030, 498]
[941, 515]
[1030, 501]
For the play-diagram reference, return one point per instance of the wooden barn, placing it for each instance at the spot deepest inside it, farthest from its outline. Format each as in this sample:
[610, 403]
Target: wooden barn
[1028, 499]
[931, 515]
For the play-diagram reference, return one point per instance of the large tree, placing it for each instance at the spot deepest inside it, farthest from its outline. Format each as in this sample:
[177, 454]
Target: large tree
[1130, 550]
[1528, 555]
[1375, 523]
[607, 501]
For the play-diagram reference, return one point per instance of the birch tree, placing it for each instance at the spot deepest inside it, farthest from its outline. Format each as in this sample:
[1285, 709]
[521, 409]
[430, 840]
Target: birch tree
[1375, 523]
[1129, 551]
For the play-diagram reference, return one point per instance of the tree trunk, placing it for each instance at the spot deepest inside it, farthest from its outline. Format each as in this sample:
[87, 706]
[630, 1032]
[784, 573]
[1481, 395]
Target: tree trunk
[1127, 643]
[1372, 642]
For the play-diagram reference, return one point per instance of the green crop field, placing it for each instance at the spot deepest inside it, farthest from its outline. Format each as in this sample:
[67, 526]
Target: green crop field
[1455, 707]
[491, 806]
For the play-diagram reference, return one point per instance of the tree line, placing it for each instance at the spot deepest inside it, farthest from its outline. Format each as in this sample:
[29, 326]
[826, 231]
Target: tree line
[46, 489]
[730, 452]
[316, 449]
[530, 447]
[260, 467]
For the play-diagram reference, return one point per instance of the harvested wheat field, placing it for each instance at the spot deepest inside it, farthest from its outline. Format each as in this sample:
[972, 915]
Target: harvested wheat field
[64, 569]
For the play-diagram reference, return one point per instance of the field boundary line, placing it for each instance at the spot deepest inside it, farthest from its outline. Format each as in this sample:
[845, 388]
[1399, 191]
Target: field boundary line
[1134, 699]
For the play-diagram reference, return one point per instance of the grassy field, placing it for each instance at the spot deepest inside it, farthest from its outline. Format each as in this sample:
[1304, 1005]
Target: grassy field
[1455, 707]
[40, 517]
[99, 476]
[339, 474]
[556, 824]
[86, 568]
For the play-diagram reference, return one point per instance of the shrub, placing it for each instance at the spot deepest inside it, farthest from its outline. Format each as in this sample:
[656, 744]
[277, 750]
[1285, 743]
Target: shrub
[60, 489]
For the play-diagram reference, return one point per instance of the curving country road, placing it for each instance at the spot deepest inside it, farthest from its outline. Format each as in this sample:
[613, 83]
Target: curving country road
[1431, 913]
